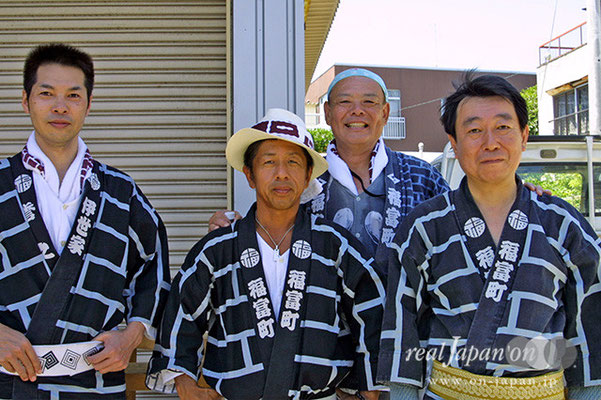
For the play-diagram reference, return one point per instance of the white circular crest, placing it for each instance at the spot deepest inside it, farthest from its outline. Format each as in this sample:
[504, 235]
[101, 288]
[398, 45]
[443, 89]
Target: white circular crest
[94, 182]
[474, 227]
[518, 220]
[249, 257]
[23, 183]
[301, 249]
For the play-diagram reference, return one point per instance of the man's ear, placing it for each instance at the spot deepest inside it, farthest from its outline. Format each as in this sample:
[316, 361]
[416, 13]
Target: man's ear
[25, 102]
[453, 143]
[525, 134]
[326, 111]
[249, 177]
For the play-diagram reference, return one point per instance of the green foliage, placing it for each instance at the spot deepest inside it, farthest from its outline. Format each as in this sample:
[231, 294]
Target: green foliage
[531, 97]
[568, 186]
[321, 138]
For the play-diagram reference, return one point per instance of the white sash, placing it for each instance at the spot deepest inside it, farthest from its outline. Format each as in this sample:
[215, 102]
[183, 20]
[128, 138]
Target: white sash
[64, 359]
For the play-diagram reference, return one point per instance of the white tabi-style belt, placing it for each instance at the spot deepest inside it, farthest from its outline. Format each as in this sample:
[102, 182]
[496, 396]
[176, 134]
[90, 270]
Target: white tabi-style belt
[64, 359]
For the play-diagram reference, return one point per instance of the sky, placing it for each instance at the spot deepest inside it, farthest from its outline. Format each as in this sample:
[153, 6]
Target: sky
[498, 35]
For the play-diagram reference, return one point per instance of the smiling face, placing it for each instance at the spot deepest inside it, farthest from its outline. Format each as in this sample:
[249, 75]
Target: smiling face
[58, 105]
[357, 112]
[489, 140]
[279, 175]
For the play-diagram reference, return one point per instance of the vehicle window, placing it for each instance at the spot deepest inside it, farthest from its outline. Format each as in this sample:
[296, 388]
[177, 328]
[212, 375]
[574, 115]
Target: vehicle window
[568, 181]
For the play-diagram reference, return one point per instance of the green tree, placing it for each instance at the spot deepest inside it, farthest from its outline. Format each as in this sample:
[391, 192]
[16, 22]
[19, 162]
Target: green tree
[531, 97]
[321, 138]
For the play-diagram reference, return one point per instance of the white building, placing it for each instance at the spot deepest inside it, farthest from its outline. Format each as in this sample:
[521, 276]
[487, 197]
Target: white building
[562, 80]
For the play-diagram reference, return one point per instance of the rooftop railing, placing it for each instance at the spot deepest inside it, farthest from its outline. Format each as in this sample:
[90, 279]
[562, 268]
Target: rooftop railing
[562, 44]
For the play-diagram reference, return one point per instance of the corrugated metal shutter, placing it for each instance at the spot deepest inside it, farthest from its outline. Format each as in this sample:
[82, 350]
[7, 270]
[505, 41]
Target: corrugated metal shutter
[159, 109]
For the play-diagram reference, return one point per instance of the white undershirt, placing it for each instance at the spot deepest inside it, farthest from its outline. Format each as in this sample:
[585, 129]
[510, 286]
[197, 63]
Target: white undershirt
[58, 204]
[275, 273]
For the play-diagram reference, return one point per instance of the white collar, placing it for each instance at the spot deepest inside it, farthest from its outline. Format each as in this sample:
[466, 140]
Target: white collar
[71, 183]
[340, 171]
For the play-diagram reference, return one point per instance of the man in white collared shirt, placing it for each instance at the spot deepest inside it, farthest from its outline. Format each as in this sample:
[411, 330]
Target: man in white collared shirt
[99, 256]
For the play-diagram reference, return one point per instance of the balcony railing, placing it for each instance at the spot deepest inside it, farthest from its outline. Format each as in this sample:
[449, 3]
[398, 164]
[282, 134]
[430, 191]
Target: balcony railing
[395, 128]
[562, 44]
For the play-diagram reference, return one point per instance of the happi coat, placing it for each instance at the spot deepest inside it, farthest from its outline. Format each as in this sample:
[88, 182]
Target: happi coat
[452, 291]
[327, 330]
[113, 266]
[408, 182]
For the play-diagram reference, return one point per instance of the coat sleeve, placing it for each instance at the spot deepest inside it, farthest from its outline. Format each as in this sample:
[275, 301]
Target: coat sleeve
[582, 298]
[179, 344]
[363, 303]
[148, 277]
[400, 359]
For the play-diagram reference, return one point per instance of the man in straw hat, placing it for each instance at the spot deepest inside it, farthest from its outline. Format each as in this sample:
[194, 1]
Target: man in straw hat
[291, 303]
[499, 286]
[368, 188]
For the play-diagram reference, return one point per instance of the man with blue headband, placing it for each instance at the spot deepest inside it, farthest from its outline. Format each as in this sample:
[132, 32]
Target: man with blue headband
[368, 188]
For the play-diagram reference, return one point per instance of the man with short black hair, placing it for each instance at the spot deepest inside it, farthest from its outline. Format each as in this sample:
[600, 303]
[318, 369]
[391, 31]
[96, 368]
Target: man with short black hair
[492, 283]
[82, 248]
[292, 303]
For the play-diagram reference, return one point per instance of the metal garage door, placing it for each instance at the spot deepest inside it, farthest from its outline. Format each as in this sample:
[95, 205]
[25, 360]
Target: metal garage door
[159, 109]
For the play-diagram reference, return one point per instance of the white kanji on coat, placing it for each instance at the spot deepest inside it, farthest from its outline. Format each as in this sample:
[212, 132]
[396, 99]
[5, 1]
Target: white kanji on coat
[293, 299]
[392, 217]
[318, 203]
[257, 288]
[88, 207]
[265, 328]
[502, 271]
[394, 197]
[83, 224]
[261, 307]
[509, 250]
[485, 257]
[495, 291]
[296, 279]
[76, 245]
[289, 319]
[29, 211]
[387, 235]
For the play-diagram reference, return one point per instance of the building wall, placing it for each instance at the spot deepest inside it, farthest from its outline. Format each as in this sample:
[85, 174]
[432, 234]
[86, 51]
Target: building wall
[421, 93]
[551, 77]
[268, 69]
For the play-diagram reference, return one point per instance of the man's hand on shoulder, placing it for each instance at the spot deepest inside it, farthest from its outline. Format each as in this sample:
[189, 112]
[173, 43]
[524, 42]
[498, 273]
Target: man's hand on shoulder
[538, 189]
[188, 389]
[118, 347]
[17, 354]
[223, 218]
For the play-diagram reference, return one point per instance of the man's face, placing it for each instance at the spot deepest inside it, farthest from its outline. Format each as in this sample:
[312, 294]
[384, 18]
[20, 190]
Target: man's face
[357, 112]
[58, 105]
[489, 140]
[279, 175]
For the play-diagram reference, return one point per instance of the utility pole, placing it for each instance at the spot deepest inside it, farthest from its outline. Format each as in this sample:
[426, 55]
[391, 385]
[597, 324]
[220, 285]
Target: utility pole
[593, 8]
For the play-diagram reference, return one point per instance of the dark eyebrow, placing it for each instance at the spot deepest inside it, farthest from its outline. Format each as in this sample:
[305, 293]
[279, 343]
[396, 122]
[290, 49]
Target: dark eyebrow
[48, 86]
[505, 116]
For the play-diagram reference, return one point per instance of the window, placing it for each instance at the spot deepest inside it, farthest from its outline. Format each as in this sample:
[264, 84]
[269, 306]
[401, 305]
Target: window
[570, 110]
[395, 128]
[394, 98]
